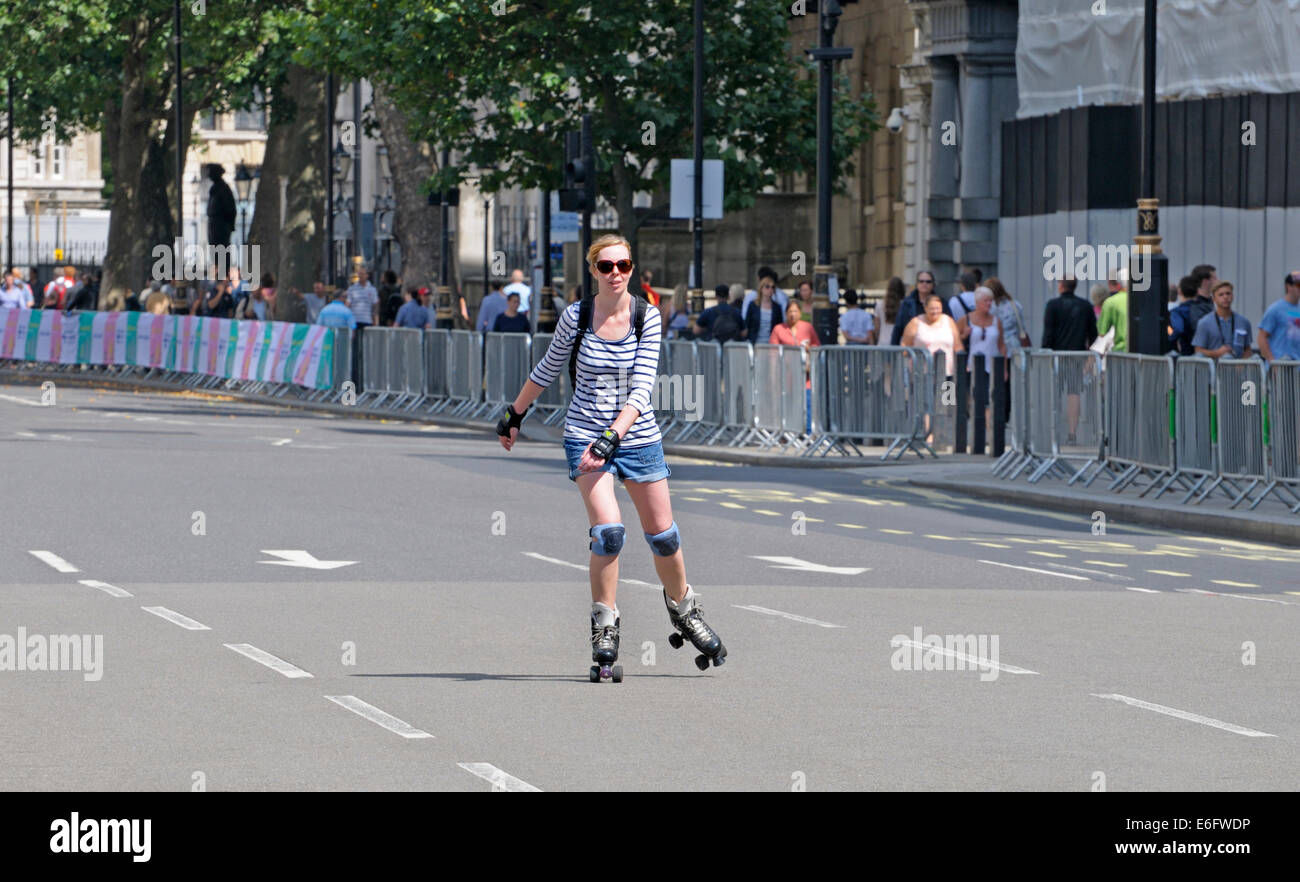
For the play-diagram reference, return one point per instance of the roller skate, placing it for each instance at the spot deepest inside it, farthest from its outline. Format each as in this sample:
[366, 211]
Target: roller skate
[689, 622]
[604, 652]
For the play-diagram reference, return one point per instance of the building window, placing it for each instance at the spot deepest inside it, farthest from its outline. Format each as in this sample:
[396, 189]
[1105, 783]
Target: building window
[38, 160]
[58, 155]
[208, 121]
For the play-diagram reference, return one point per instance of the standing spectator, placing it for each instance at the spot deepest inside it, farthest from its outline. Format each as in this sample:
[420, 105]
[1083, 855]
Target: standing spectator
[238, 290]
[887, 310]
[983, 336]
[646, 288]
[1279, 329]
[936, 332]
[805, 295]
[12, 296]
[517, 285]
[964, 300]
[1015, 330]
[289, 306]
[261, 304]
[159, 302]
[336, 313]
[856, 323]
[315, 301]
[737, 298]
[363, 299]
[677, 317]
[221, 208]
[766, 274]
[721, 322]
[512, 321]
[1184, 318]
[412, 314]
[390, 298]
[56, 292]
[1114, 312]
[492, 306]
[913, 305]
[1069, 325]
[797, 332]
[1207, 278]
[1223, 332]
[1098, 295]
[218, 304]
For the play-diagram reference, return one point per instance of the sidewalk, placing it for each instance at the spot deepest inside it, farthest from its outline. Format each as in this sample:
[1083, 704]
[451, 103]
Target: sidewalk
[956, 475]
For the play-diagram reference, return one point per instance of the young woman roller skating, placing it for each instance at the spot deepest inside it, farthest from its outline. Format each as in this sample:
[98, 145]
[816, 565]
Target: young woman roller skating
[609, 431]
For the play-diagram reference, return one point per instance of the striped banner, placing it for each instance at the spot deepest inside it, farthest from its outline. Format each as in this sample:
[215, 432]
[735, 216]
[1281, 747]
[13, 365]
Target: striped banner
[280, 352]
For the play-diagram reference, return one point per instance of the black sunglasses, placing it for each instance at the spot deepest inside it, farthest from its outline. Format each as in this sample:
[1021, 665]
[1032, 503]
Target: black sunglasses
[605, 267]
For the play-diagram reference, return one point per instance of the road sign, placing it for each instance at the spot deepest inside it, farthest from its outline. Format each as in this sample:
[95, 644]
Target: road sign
[682, 198]
[565, 225]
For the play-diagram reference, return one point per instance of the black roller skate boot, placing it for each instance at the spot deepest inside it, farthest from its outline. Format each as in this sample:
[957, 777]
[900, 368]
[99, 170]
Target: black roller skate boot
[604, 652]
[689, 622]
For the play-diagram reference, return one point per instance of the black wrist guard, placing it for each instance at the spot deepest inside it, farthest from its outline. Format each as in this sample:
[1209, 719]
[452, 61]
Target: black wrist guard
[510, 421]
[606, 445]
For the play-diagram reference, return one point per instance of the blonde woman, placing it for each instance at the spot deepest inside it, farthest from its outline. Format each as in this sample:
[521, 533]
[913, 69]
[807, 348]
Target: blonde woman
[678, 316]
[616, 435]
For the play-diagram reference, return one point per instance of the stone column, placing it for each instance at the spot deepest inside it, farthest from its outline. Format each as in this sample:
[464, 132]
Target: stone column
[945, 140]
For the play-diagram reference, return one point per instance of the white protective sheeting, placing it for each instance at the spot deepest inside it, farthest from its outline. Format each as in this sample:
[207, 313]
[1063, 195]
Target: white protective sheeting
[1078, 52]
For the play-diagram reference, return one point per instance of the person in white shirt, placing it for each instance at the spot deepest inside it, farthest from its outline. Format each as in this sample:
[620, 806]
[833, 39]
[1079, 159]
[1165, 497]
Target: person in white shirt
[857, 324]
[363, 299]
[13, 295]
[517, 286]
[964, 300]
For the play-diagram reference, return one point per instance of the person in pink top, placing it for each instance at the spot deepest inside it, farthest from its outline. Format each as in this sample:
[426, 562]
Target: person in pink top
[797, 332]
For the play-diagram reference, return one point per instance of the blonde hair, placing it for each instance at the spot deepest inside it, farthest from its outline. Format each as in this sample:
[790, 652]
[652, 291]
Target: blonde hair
[604, 242]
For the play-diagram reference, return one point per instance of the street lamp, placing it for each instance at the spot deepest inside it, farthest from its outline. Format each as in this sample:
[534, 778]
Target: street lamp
[243, 180]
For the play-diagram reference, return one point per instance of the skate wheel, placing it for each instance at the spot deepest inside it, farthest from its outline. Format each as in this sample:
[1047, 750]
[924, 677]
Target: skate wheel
[675, 640]
[702, 662]
[617, 673]
[594, 674]
[605, 672]
[719, 660]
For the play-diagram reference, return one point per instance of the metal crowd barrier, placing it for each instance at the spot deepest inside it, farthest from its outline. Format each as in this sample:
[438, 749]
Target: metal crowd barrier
[708, 368]
[1017, 457]
[667, 412]
[1195, 432]
[870, 393]
[683, 362]
[436, 346]
[508, 366]
[1284, 432]
[1138, 397]
[405, 369]
[552, 400]
[738, 384]
[1241, 402]
[374, 366]
[1074, 410]
[464, 373]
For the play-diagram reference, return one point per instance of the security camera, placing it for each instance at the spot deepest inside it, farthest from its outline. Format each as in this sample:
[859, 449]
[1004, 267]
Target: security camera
[895, 121]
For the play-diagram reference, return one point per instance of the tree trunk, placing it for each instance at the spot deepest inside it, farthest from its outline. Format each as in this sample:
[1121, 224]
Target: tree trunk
[136, 220]
[417, 225]
[264, 229]
[298, 263]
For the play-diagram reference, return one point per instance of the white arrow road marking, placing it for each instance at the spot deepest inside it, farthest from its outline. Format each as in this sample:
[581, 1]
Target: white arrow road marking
[971, 660]
[1238, 596]
[282, 442]
[1035, 570]
[110, 590]
[176, 618]
[55, 561]
[17, 400]
[498, 779]
[794, 563]
[378, 717]
[299, 558]
[265, 658]
[1185, 715]
[785, 615]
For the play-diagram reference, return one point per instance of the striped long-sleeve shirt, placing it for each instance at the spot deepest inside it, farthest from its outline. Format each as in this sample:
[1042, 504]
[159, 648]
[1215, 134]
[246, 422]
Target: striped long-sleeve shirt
[611, 374]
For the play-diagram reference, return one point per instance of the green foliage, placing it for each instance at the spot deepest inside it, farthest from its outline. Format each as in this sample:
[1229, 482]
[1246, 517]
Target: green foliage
[503, 89]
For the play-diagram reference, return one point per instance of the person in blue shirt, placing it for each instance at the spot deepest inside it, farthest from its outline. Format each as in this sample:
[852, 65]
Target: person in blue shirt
[1279, 329]
[512, 321]
[412, 314]
[721, 322]
[337, 314]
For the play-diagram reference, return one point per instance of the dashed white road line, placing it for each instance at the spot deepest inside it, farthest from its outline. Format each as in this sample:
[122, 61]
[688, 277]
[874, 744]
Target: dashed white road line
[176, 618]
[1036, 570]
[1185, 715]
[1238, 596]
[55, 561]
[378, 717]
[565, 563]
[17, 400]
[1143, 590]
[1091, 572]
[498, 779]
[785, 615]
[110, 590]
[971, 660]
[265, 658]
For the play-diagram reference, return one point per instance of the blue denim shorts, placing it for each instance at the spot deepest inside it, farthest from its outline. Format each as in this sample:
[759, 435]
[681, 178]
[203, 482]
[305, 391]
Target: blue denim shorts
[643, 464]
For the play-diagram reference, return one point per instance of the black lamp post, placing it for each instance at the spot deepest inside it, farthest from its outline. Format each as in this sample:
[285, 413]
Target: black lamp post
[243, 180]
[1148, 309]
[825, 317]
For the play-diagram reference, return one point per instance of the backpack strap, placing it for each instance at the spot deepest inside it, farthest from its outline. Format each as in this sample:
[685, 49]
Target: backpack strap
[584, 325]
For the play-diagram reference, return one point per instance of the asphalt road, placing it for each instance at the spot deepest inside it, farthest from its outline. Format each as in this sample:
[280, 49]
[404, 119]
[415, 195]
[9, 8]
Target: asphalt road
[452, 651]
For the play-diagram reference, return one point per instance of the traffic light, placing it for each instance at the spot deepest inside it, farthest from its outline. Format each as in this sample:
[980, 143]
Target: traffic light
[579, 191]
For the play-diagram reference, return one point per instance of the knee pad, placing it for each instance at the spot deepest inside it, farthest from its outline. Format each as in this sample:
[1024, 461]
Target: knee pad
[665, 544]
[606, 539]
